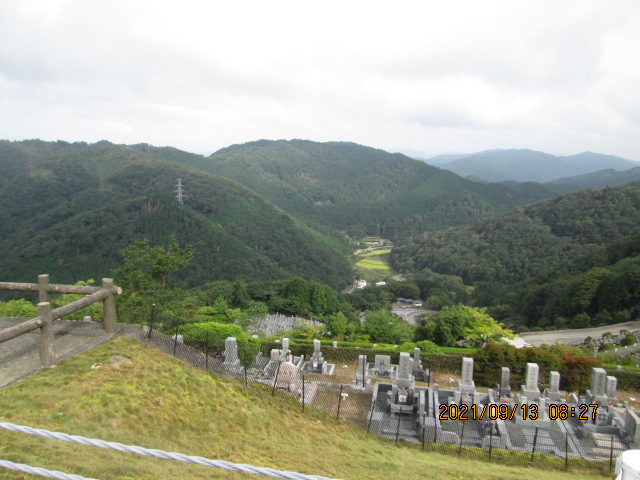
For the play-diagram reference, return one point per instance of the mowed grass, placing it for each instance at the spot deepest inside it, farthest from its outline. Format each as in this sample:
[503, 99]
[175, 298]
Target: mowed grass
[159, 402]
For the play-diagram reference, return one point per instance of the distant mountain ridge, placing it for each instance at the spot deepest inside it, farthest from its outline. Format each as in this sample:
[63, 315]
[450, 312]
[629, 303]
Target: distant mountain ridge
[361, 189]
[68, 209]
[528, 165]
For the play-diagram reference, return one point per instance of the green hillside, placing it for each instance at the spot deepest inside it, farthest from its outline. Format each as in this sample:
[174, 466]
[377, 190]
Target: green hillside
[571, 255]
[357, 188]
[70, 213]
[156, 401]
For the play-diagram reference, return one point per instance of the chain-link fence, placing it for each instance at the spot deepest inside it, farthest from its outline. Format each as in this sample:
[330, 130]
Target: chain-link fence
[366, 403]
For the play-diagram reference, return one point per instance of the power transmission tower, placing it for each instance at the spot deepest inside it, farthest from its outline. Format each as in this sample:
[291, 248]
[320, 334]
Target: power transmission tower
[179, 193]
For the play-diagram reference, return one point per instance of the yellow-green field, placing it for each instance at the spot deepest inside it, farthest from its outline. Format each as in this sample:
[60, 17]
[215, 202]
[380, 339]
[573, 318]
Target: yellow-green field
[376, 260]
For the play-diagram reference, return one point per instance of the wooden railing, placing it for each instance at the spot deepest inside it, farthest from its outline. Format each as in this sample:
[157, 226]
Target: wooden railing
[47, 315]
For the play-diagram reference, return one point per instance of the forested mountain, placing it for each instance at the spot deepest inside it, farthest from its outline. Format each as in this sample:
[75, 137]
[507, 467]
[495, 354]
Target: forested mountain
[361, 189]
[529, 165]
[68, 209]
[599, 179]
[571, 255]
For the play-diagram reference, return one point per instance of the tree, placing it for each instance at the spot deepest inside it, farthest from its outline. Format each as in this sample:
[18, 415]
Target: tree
[480, 327]
[461, 322]
[385, 327]
[337, 324]
[148, 267]
[443, 328]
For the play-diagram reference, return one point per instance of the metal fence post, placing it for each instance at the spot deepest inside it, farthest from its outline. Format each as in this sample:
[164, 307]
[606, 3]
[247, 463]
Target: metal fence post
[461, 438]
[373, 407]
[246, 380]
[206, 351]
[611, 456]
[398, 428]
[424, 428]
[151, 320]
[535, 441]
[566, 451]
[175, 341]
[339, 402]
[303, 393]
[490, 439]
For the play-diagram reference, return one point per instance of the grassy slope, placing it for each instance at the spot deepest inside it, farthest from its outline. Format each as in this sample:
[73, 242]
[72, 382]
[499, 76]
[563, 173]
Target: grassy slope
[159, 402]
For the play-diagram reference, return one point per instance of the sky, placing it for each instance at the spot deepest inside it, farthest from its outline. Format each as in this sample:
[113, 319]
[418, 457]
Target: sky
[425, 76]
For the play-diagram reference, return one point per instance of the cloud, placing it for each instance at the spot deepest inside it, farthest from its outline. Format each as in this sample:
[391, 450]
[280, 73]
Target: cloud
[555, 76]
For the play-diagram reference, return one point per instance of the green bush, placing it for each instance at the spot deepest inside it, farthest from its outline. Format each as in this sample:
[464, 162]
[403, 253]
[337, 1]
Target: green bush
[18, 308]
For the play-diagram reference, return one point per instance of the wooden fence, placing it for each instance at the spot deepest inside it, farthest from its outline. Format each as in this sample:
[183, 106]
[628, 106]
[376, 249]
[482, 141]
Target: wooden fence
[47, 315]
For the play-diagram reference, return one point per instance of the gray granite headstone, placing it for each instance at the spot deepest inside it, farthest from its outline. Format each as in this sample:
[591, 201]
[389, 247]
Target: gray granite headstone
[598, 382]
[532, 376]
[382, 365]
[405, 368]
[631, 426]
[466, 384]
[504, 389]
[467, 371]
[553, 392]
[231, 352]
[612, 385]
[530, 388]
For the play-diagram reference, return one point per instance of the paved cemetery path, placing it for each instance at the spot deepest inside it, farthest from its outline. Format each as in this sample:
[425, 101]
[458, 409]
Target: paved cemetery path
[20, 357]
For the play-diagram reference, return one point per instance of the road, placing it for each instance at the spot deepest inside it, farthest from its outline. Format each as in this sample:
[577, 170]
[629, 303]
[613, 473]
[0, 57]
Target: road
[410, 314]
[572, 337]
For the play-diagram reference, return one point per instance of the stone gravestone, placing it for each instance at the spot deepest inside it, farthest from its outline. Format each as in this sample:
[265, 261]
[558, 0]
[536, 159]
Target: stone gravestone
[631, 430]
[284, 354]
[316, 358]
[382, 366]
[504, 389]
[553, 392]
[289, 379]
[530, 388]
[419, 373]
[612, 385]
[231, 359]
[405, 369]
[597, 393]
[274, 361]
[466, 385]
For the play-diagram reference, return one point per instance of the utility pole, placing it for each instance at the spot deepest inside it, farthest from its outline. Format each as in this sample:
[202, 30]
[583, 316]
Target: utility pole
[179, 192]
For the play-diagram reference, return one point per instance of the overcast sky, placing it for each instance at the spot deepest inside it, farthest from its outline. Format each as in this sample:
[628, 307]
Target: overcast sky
[460, 76]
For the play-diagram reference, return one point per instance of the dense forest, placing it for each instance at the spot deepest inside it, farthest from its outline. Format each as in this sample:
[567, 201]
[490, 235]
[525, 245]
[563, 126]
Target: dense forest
[71, 212]
[571, 261]
[363, 190]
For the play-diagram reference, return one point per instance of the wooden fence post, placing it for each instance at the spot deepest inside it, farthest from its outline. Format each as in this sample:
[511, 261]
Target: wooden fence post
[47, 353]
[109, 307]
[43, 283]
